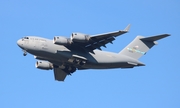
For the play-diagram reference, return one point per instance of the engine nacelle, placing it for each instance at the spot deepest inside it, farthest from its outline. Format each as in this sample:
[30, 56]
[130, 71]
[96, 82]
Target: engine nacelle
[45, 65]
[79, 37]
[61, 40]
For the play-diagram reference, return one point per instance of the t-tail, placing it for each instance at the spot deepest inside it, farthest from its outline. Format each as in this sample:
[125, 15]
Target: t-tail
[140, 45]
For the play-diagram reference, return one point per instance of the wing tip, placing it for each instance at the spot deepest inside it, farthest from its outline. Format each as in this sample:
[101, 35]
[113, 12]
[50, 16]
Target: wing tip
[127, 28]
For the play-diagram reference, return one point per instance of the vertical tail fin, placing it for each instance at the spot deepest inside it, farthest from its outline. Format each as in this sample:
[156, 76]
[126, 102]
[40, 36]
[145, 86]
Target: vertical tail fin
[140, 45]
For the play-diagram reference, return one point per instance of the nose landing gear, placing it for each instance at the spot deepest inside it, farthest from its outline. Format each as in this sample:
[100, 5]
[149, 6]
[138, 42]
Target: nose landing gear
[25, 53]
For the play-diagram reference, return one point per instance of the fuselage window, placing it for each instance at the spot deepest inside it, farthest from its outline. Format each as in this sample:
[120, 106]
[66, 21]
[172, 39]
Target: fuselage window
[42, 40]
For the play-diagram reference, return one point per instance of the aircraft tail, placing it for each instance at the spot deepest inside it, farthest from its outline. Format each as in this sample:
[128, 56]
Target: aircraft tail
[140, 45]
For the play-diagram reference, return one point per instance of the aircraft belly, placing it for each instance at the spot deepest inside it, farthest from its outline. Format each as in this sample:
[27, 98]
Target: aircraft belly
[107, 60]
[107, 65]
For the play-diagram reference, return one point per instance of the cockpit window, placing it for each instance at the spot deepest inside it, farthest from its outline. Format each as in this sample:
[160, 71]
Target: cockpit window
[25, 38]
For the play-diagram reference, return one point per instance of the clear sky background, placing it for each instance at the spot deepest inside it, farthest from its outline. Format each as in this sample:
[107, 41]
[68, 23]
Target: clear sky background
[156, 85]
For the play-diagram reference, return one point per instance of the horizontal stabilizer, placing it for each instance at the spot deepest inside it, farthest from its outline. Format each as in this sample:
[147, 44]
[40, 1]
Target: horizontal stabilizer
[154, 38]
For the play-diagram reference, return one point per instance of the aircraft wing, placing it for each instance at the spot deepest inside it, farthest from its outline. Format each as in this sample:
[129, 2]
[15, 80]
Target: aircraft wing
[99, 40]
[59, 74]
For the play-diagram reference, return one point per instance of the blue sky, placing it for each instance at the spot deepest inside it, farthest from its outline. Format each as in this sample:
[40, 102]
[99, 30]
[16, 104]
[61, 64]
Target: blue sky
[157, 85]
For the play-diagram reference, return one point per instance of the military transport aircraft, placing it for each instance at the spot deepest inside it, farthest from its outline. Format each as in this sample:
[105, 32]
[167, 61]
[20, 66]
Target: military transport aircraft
[82, 51]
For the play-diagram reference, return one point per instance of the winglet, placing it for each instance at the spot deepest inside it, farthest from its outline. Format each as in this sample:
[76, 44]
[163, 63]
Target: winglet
[127, 28]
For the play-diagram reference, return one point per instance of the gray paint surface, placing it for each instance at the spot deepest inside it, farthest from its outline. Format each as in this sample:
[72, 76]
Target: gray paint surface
[81, 52]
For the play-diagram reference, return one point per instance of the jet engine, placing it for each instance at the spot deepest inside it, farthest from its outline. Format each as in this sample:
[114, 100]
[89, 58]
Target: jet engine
[79, 37]
[61, 40]
[45, 65]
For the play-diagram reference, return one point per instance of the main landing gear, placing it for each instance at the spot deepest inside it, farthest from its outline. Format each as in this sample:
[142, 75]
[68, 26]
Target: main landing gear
[69, 69]
[79, 62]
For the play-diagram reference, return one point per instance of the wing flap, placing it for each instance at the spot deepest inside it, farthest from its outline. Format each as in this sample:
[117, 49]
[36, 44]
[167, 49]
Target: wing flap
[98, 44]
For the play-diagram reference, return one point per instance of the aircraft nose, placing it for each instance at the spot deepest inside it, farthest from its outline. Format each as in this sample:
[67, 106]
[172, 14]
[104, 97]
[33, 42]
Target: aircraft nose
[19, 43]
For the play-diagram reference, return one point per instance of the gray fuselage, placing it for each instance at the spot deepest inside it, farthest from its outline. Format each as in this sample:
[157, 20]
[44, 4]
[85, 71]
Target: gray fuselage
[45, 49]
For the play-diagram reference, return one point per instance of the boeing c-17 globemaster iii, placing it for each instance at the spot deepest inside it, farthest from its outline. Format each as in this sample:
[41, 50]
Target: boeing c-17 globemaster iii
[81, 51]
